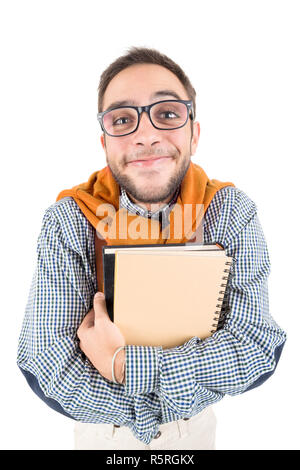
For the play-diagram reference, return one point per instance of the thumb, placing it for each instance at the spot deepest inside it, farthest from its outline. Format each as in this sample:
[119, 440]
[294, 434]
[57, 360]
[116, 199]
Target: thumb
[100, 306]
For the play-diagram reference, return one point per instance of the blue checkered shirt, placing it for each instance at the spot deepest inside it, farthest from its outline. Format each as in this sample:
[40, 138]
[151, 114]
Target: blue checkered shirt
[162, 385]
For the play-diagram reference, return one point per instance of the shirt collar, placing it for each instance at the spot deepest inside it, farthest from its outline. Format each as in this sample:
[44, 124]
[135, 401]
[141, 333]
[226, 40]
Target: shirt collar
[161, 214]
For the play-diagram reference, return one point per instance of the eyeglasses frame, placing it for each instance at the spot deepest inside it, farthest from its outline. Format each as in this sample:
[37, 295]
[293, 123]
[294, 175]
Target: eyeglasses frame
[147, 108]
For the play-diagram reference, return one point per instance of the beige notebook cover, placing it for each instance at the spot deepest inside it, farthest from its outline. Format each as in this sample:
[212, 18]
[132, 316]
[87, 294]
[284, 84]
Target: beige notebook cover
[165, 299]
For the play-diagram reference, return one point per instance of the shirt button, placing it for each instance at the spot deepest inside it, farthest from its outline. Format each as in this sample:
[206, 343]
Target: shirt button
[157, 435]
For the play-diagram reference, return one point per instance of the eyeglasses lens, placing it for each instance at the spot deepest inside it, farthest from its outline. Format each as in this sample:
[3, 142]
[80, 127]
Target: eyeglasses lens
[168, 115]
[120, 121]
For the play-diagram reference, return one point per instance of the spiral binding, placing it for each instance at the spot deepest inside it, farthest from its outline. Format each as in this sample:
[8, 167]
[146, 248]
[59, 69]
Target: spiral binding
[222, 314]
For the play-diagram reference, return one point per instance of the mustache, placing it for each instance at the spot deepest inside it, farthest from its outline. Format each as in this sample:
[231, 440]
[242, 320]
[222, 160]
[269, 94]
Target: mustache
[146, 153]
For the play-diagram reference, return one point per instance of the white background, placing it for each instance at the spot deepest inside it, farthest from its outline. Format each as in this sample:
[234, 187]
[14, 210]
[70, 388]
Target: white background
[243, 59]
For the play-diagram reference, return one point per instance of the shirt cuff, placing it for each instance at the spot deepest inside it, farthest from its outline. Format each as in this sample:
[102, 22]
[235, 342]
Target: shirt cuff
[142, 369]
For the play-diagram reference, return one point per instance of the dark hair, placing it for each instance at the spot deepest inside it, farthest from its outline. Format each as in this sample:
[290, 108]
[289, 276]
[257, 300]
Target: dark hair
[143, 55]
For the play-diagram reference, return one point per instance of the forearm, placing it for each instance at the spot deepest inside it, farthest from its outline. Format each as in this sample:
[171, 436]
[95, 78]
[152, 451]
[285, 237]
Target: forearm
[65, 376]
[200, 373]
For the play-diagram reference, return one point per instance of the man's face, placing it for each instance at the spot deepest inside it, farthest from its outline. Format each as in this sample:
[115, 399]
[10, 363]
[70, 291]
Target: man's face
[156, 180]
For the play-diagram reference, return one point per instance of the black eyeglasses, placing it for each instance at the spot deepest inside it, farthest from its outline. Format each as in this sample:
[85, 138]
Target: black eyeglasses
[165, 115]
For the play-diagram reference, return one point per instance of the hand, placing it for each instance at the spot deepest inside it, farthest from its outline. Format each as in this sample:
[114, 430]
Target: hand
[99, 339]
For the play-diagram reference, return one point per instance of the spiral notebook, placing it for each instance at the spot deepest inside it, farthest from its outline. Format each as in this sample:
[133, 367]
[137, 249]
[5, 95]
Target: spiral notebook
[163, 296]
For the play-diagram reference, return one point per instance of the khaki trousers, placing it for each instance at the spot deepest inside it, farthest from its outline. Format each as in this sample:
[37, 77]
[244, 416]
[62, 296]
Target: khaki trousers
[195, 433]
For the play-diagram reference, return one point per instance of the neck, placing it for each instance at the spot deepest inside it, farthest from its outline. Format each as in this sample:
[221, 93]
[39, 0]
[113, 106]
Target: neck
[150, 206]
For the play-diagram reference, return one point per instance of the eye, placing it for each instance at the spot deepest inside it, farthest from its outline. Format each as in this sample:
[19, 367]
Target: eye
[168, 115]
[120, 121]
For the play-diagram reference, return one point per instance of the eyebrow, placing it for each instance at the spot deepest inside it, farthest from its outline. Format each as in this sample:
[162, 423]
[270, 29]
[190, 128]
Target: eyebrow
[157, 94]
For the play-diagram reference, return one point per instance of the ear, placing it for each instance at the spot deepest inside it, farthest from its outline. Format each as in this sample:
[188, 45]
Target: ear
[195, 138]
[103, 140]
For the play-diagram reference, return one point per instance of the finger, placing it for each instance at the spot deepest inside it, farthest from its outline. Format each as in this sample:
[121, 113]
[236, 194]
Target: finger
[100, 306]
[88, 320]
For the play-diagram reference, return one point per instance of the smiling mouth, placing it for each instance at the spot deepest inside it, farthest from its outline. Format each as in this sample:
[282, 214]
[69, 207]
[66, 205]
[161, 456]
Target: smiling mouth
[150, 160]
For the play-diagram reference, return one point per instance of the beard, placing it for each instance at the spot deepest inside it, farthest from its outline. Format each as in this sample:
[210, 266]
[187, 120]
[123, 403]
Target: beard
[152, 194]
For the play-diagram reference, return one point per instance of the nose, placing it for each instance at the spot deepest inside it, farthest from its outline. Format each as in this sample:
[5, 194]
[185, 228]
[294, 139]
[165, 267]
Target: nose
[146, 134]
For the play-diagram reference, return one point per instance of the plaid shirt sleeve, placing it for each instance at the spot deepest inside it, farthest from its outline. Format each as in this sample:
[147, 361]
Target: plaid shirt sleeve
[61, 294]
[237, 357]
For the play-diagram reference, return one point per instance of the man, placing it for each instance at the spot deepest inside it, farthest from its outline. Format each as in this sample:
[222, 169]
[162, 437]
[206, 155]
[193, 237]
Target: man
[73, 356]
